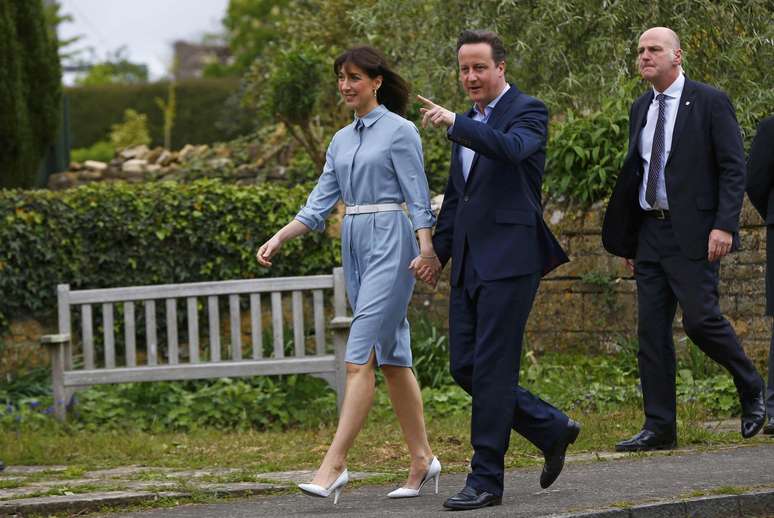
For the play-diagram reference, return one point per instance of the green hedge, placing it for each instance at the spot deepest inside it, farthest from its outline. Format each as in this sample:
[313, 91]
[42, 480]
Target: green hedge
[207, 111]
[108, 235]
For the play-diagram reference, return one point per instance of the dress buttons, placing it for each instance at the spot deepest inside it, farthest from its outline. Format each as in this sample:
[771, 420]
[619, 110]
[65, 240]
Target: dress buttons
[466, 198]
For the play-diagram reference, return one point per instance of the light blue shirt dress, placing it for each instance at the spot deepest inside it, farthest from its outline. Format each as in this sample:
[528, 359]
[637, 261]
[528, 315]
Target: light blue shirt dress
[376, 159]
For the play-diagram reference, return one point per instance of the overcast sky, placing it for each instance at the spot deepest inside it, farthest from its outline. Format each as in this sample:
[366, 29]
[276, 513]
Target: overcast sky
[146, 27]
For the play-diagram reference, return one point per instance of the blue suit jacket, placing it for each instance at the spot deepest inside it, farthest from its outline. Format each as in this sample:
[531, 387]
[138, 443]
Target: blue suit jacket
[498, 211]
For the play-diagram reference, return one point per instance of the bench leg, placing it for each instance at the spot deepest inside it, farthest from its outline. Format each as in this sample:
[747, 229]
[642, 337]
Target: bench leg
[57, 352]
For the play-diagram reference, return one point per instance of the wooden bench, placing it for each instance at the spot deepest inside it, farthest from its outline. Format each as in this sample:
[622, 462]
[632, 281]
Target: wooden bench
[76, 365]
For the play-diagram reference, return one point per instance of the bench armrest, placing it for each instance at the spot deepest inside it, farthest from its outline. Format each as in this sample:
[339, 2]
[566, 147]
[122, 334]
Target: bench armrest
[341, 323]
[54, 339]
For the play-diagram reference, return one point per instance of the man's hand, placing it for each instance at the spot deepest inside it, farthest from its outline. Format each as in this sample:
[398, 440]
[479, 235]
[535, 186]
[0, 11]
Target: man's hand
[719, 244]
[434, 114]
[629, 264]
[426, 269]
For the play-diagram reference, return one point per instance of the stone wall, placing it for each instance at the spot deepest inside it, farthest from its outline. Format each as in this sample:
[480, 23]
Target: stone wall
[590, 304]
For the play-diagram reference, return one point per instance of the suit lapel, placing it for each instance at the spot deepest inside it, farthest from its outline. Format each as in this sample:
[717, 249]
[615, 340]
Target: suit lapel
[684, 107]
[500, 108]
[641, 117]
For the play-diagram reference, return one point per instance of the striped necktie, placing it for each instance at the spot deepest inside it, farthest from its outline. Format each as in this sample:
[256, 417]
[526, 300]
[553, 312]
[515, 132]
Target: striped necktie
[656, 153]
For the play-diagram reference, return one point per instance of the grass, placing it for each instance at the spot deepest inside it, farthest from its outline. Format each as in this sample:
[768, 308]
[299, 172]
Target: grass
[379, 447]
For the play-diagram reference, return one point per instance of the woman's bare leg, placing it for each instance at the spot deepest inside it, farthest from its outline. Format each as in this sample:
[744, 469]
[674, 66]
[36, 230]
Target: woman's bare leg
[406, 400]
[358, 397]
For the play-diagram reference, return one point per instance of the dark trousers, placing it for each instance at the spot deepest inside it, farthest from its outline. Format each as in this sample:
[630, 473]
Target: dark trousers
[486, 326]
[665, 277]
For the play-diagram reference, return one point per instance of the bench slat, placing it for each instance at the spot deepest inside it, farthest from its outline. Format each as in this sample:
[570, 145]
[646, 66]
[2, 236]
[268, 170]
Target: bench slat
[256, 325]
[298, 324]
[150, 332]
[172, 349]
[193, 329]
[129, 335]
[276, 322]
[319, 322]
[214, 318]
[236, 327]
[109, 334]
[309, 364]
[201, 289]
[87, 327]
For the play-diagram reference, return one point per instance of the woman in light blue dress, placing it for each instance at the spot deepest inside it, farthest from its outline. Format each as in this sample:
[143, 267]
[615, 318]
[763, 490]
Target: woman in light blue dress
[374, 165]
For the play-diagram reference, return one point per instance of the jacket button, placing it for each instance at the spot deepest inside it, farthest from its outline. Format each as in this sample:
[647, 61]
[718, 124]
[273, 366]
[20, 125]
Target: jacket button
[466, 198]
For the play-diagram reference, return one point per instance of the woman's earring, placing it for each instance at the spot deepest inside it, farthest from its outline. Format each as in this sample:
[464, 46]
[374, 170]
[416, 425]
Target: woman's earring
[375, 89]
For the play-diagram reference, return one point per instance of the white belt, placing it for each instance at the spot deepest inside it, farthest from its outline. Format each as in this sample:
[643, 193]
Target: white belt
[376, 207]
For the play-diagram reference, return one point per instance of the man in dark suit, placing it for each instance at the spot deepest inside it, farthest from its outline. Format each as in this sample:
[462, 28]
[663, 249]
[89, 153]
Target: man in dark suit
[760, 189]
[491, 227]
[673, 214]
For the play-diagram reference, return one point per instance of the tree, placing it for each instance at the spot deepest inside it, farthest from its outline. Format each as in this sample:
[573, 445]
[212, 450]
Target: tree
[31, 91]
[116, 69]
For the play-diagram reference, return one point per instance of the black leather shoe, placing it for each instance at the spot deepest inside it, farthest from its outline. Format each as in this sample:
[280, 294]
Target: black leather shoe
[646, 440]
[555, 458]
[753, 413]
[470, 498]
[769, 428]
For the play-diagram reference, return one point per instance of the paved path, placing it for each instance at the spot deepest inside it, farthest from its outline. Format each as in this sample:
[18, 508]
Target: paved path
[632, 487]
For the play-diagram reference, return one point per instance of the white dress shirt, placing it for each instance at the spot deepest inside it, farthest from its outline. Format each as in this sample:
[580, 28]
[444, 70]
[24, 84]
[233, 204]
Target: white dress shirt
[672, 101]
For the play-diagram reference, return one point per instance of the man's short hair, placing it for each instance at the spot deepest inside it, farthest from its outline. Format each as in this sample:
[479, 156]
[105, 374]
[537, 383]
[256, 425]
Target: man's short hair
[489, 37]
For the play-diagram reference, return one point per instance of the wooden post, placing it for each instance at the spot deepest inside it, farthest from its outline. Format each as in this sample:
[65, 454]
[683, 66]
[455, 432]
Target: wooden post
[57, 345]
[340, 326]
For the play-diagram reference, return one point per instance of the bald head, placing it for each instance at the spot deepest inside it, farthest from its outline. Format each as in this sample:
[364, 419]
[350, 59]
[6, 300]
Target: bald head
[659, 57]
[665, 34]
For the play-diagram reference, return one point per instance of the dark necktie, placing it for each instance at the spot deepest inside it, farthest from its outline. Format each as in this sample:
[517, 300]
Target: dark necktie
[656, 153]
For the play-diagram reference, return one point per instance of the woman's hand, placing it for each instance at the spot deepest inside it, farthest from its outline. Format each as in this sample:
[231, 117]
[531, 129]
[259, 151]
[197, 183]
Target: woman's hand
[267, 250]
[426, 268]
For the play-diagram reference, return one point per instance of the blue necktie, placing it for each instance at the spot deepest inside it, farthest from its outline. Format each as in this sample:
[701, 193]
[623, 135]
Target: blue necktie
[656, 153]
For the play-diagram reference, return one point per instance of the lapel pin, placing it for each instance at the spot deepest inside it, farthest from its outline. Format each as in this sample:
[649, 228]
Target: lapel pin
[687, 103]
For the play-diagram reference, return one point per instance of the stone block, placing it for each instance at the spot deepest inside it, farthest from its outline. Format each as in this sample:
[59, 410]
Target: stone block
[135, 166]
[721, 506]
[757, 503]
[59, 181]
[659, 510]
[134, 152]
[95, 165]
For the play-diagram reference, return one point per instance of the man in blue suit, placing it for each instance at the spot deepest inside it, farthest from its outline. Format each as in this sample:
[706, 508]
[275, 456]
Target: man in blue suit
[491, 227]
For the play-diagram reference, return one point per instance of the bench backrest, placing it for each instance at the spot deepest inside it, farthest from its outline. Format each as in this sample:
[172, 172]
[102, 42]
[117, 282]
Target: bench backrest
[256, 291]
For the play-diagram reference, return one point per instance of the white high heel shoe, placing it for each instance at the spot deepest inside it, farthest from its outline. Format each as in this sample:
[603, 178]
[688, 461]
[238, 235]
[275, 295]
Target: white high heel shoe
[433, 473]
[335, 488]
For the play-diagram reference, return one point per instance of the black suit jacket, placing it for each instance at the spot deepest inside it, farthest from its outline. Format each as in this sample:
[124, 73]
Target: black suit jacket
[760, 170]
[704, 174]
[498, 211]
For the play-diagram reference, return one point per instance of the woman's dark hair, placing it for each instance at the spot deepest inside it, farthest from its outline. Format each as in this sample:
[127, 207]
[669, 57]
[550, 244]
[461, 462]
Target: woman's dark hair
[488, 37]
[394, 91]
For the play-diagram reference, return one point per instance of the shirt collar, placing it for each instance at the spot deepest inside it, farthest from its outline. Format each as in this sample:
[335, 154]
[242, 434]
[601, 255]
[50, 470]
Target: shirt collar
[372, 116]
[675, 89]
[493, 102]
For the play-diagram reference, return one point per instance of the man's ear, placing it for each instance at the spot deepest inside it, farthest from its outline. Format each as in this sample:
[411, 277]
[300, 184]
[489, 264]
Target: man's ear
[677, 57]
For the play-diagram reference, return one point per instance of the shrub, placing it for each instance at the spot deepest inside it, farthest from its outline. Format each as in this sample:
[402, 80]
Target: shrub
[586, 151]
[102, 151]
[133, 131]
[107, 235]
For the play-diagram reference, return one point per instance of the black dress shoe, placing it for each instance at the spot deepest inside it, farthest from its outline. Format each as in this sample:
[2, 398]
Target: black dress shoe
[555, 458]
[470, 498]
[753, 413]
[769, 428]
[646, 440]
